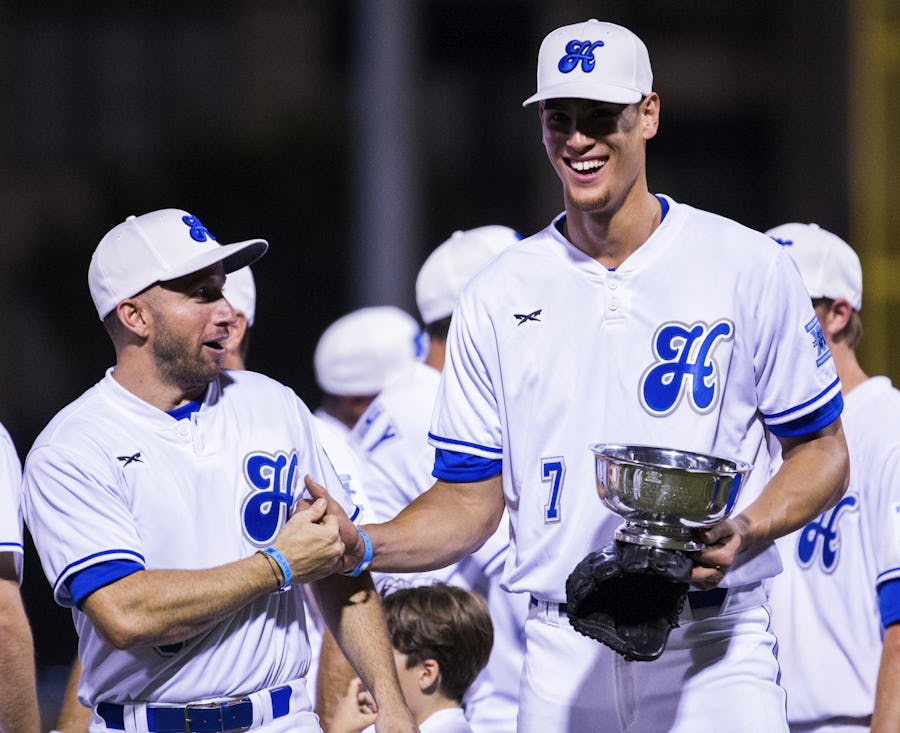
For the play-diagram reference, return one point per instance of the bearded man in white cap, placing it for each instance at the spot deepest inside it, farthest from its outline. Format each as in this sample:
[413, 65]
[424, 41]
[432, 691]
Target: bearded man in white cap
[631, 320]
[836, 605]
[166, 506]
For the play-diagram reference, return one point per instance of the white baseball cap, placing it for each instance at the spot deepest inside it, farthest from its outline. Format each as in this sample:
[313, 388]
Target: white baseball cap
[362, 351]
[828, 265]
[240, 290]
[155, 247]
[453, 263]
[593, 60]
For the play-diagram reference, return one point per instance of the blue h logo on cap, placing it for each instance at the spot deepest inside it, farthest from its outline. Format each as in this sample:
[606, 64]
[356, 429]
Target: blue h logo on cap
[579, 52]
[199, 233]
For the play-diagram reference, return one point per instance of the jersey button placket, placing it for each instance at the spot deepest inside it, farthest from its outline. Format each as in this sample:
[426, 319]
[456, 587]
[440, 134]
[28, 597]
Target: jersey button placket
[614, 310]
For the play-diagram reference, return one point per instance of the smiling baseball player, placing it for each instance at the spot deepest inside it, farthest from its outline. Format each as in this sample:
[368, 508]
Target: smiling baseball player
[632, 318]
[392, 436]
[164, 505]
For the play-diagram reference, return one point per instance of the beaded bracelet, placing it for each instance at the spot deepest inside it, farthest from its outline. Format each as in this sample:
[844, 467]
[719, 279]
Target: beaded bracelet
[367, 555]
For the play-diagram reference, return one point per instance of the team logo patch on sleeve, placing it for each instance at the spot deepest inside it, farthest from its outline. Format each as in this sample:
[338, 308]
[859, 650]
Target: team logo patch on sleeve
[814, 329]
[684, 367]
[273, 478]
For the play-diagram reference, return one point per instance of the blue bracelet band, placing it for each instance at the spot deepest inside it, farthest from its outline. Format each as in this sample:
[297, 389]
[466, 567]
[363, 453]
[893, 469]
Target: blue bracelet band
[282, 563]
[367, 555]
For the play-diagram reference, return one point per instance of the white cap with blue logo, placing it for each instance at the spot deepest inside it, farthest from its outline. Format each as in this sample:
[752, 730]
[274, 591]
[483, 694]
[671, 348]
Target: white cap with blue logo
[593, 60]
[155, 247]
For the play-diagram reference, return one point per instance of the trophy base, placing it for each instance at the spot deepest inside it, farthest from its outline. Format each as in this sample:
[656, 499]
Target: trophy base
[666, 538]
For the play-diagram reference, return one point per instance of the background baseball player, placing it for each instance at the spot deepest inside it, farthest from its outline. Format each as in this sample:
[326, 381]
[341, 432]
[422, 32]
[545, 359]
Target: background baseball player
[631, 318]
[18, 693]
[240, 291]
[358, 354]
[161, 505]
[836, 606]
[354, 358]
[392, 436]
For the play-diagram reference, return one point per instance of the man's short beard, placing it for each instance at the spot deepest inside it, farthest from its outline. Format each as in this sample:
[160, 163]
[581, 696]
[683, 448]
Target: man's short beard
[175, 361]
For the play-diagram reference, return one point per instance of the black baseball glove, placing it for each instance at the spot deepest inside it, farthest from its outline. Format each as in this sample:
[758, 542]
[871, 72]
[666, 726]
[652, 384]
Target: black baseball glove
[629, 597]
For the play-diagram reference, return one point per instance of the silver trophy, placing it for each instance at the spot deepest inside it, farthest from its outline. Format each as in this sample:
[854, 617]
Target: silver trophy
[663, 494]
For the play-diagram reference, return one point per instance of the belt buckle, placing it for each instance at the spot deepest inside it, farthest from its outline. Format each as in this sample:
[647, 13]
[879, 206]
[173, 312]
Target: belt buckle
[202, 706]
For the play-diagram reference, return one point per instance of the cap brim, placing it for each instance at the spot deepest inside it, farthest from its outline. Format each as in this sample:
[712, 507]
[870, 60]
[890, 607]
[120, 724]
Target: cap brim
[586, 90]
[232, 256]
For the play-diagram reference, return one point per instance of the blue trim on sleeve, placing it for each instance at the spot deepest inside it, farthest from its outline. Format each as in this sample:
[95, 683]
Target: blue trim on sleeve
[85, 561]
[816, 420]
[464, 467]
[464, 444]
[11, 546]
[83, 583]
[889, 601]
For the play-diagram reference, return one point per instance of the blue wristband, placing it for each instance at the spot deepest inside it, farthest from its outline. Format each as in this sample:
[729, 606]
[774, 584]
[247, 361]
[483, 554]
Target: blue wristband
[282, 563]
[367, 555]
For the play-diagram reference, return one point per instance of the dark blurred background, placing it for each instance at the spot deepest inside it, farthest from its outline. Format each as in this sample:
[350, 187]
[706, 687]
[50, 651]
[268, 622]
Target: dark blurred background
[356, 135]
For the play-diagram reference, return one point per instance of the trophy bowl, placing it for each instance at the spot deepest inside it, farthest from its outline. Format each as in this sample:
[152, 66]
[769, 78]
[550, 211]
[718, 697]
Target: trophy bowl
[663, 494]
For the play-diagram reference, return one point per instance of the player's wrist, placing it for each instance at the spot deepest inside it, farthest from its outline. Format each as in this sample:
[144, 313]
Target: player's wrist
[279, 565]
[367, 554]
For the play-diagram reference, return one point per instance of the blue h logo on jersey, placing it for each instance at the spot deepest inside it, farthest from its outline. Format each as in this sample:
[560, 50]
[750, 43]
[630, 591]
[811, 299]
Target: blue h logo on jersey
[825, 529]
[273, 478]
[579, 52]
[684, 365]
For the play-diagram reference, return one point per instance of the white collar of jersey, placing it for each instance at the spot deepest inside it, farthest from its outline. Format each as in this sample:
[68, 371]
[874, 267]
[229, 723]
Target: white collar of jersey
[134, 405]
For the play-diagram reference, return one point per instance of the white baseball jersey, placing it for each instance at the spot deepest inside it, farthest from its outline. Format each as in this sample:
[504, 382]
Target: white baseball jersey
[10, 501]
[825, 606]
[700, 339]
[392, 436]
[113, 478]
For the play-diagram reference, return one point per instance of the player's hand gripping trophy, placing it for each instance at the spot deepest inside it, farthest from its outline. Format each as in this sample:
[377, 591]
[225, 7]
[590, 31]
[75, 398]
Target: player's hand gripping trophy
[630, 594]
